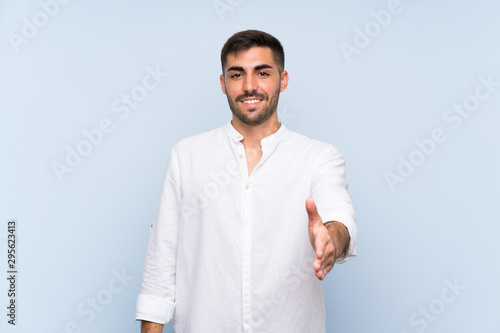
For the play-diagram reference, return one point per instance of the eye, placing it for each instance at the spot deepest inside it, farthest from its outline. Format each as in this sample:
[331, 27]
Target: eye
[264, 74]
[235, 75]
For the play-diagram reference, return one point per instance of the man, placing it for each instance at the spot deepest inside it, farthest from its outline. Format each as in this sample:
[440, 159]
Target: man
[230, 247]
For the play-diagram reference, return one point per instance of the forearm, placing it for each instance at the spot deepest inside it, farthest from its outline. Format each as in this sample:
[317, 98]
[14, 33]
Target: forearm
[340, 237]
[150, 327]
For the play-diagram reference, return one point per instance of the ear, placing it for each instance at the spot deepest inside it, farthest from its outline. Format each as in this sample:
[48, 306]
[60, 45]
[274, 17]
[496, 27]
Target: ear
[223, 84]
[284, 81]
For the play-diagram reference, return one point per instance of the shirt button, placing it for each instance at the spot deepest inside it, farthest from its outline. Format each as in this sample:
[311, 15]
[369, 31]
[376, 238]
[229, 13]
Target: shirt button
[247, 187]
[240, 137]
[241, 156]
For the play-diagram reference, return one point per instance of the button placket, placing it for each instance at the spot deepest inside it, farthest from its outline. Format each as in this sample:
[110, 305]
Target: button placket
[246, 248]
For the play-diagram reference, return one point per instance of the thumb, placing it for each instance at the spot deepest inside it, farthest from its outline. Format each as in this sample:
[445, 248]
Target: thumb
[312, 211]
[314, 223]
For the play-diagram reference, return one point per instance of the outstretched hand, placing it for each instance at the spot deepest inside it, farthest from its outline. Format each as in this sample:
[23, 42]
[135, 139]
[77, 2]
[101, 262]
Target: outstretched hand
[321, 242]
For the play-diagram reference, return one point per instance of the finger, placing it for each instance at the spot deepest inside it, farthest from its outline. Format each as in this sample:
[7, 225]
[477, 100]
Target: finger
[317, 265]
[325, 271]
[317, 268]
[328, 260]
[320, 274]
[321, 238]
[319, 247]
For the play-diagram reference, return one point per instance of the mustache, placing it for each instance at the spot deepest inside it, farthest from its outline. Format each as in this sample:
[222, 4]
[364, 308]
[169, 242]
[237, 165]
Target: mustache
[248, 95]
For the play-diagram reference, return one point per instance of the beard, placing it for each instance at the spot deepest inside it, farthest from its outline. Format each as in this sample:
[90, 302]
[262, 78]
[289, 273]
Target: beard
[253, 117]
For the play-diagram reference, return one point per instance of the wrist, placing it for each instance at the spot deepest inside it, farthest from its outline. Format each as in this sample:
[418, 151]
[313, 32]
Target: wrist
[340, 237]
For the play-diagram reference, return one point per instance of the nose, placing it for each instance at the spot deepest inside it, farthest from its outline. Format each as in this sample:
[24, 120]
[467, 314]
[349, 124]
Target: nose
[249, 84]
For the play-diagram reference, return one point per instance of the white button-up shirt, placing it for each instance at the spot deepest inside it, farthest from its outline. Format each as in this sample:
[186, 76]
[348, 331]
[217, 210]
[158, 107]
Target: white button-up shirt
[230, 252]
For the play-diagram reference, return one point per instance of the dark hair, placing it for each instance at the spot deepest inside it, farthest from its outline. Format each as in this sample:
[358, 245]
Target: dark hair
[247, 39]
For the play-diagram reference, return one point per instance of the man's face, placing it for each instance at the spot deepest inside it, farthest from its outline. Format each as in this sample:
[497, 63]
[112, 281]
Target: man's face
[252, 84]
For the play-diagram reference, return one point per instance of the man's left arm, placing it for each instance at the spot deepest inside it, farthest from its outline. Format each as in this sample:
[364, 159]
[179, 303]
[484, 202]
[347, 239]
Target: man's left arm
[333, 234]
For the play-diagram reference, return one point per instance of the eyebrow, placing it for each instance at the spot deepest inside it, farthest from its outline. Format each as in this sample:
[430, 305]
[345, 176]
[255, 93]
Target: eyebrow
[235, 68]
[240, 69]
[263, 66]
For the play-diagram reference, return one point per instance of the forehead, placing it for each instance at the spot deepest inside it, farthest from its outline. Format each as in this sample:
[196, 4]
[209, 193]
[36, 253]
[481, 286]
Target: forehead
[251, 58]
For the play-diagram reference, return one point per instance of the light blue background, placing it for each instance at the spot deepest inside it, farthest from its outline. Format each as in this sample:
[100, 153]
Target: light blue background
[439, 226]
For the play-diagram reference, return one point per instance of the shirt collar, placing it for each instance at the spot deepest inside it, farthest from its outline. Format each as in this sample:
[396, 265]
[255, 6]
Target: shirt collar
[276, 137]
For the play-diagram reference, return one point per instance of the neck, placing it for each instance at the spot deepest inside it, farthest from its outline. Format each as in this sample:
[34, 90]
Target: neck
[254, 134]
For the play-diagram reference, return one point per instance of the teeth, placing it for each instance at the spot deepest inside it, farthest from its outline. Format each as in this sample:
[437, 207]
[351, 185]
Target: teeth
[251, 101]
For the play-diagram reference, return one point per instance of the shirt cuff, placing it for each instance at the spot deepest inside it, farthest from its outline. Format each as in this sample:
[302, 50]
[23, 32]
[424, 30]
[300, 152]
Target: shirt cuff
[154, 309]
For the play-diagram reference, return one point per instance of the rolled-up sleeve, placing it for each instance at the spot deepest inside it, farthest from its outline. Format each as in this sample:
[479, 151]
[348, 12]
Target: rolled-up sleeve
[329, 191]
[156, 301]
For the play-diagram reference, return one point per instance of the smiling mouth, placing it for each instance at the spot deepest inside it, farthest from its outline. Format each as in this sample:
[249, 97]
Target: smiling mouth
[251, 101]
